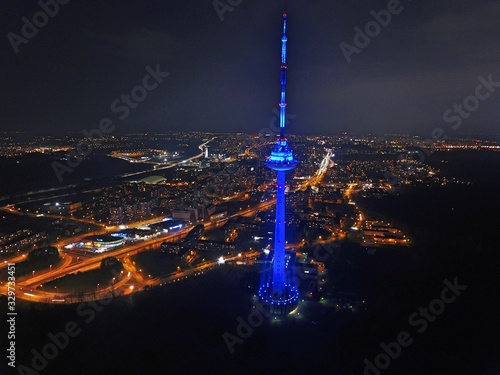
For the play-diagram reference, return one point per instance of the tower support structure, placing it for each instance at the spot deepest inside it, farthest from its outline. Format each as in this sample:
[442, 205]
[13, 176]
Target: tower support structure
[278, 289]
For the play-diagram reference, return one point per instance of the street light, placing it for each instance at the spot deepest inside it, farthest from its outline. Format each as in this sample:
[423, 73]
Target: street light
[33, 273]
[51, 267]
[98, 286]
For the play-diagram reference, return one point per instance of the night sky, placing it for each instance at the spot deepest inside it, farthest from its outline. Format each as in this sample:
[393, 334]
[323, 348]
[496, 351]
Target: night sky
[224, 75]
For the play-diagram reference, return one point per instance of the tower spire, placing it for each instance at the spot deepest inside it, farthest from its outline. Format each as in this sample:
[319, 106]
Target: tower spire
[282, 104]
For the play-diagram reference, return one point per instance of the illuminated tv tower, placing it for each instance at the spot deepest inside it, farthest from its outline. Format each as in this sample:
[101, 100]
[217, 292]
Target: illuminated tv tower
[278, 289]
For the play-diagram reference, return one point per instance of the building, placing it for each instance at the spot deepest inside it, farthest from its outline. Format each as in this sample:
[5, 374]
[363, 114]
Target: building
[190, 214]
[99, 244]
[178, 250]
[116, 215]
[24, 239]
[61, 208]
[153, 180]
[277, 290]
[169, 226]
[216, 246]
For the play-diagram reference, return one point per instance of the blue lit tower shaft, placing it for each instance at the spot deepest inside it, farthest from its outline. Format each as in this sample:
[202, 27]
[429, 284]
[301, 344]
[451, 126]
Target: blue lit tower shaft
[283, 80]
[277, 291]
[278, 281]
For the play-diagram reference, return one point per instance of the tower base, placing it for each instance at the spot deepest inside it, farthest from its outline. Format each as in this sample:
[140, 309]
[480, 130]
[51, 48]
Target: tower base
[279, 302]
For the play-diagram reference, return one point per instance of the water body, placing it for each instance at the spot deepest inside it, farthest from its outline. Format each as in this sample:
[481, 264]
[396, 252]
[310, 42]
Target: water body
[32, 172]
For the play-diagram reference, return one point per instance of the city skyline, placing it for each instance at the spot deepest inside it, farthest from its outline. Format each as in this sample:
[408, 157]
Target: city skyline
[429, 58]
[166, 226]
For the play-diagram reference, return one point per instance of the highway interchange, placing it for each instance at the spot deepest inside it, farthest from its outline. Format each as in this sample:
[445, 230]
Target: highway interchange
[132, 279]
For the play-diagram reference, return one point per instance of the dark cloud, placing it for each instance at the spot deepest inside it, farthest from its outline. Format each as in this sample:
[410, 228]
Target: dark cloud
[224, 75]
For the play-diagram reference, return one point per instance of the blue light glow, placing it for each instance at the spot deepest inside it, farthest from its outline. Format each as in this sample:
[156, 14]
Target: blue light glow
[277, 288]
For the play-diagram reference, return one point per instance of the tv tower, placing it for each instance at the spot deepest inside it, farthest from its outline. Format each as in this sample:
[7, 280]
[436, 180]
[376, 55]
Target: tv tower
[278, 289]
